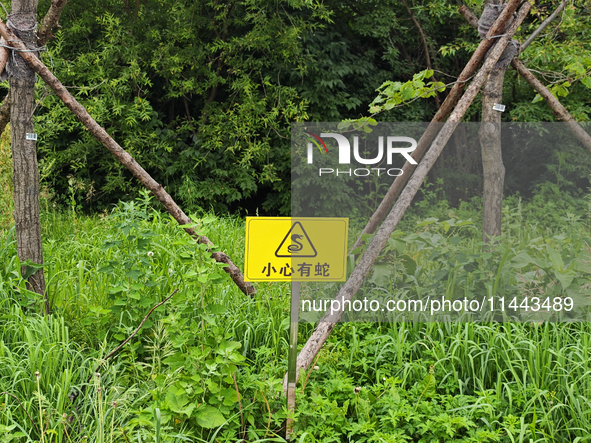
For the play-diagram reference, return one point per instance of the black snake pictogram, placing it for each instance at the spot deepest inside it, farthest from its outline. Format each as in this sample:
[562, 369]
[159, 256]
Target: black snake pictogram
[297, 246]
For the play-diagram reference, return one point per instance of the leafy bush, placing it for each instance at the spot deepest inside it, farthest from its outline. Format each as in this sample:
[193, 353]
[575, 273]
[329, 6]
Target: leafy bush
[208, 364]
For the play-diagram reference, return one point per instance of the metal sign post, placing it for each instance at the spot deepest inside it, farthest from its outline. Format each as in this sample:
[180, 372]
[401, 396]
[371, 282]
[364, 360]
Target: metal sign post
[292, 357]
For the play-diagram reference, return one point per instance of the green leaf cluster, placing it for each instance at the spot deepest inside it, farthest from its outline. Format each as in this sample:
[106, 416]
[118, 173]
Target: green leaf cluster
[392, 94]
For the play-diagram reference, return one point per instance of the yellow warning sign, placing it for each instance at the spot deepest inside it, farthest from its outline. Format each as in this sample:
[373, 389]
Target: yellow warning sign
[296, 249]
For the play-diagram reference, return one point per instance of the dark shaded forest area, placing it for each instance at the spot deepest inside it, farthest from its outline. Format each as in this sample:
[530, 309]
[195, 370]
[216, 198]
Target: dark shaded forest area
[202, 93]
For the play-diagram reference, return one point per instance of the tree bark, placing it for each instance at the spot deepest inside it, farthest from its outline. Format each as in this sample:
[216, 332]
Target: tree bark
[348, 290]
[50, 20]
[123, 156]
[492, 159]
[48, 23]
[23, 19]
[557, 108]
[433, 128]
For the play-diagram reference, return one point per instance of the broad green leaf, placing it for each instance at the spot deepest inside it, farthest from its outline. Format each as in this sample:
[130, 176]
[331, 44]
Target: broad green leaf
[555, 258]
[399, 245]
[407, 91]
[410, 266]
[230, 396]
[134, 274]
[426, 386]
[562, 90]
[227, 346]
[5, 429]
[381, 275]
[576, 67]
[520, 260]
[427, 221]
[209, 417]
[31, 268]
[565, 278]
[390, 104]
[178, 401]
[209, 219]
[217, 308]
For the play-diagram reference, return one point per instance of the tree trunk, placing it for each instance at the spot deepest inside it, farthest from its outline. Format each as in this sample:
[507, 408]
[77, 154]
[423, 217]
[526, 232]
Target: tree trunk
[22, 20]
[47, 25]
[492, 160]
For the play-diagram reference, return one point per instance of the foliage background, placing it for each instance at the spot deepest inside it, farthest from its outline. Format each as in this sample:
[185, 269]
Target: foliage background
[202, 93]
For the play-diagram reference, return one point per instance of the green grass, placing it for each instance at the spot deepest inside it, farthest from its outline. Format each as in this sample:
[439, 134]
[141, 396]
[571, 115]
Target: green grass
[504, 382]
[6, 201]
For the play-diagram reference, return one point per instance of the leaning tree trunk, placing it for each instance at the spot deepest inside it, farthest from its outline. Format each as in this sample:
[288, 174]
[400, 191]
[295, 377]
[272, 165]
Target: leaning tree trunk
[325, 325]
[127, 160]
[23, 21]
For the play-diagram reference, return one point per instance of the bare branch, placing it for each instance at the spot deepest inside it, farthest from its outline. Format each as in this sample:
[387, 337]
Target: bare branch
[543, 25]
[557, 108]
[425, 46]
[73, 396]
[21, 405]
[469, 16]
[50, 21]
[118, 348]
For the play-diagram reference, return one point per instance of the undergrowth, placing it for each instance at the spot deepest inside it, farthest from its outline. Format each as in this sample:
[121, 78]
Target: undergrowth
[208, 364]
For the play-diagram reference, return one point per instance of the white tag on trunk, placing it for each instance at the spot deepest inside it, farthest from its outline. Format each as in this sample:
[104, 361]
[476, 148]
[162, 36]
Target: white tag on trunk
[31, 136]
[499, 107]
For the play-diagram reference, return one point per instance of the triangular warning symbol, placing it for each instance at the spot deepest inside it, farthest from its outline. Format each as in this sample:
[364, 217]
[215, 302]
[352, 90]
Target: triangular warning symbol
[296, 243]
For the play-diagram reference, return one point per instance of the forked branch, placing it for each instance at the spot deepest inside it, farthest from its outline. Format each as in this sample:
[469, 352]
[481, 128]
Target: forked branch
[50, 21]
